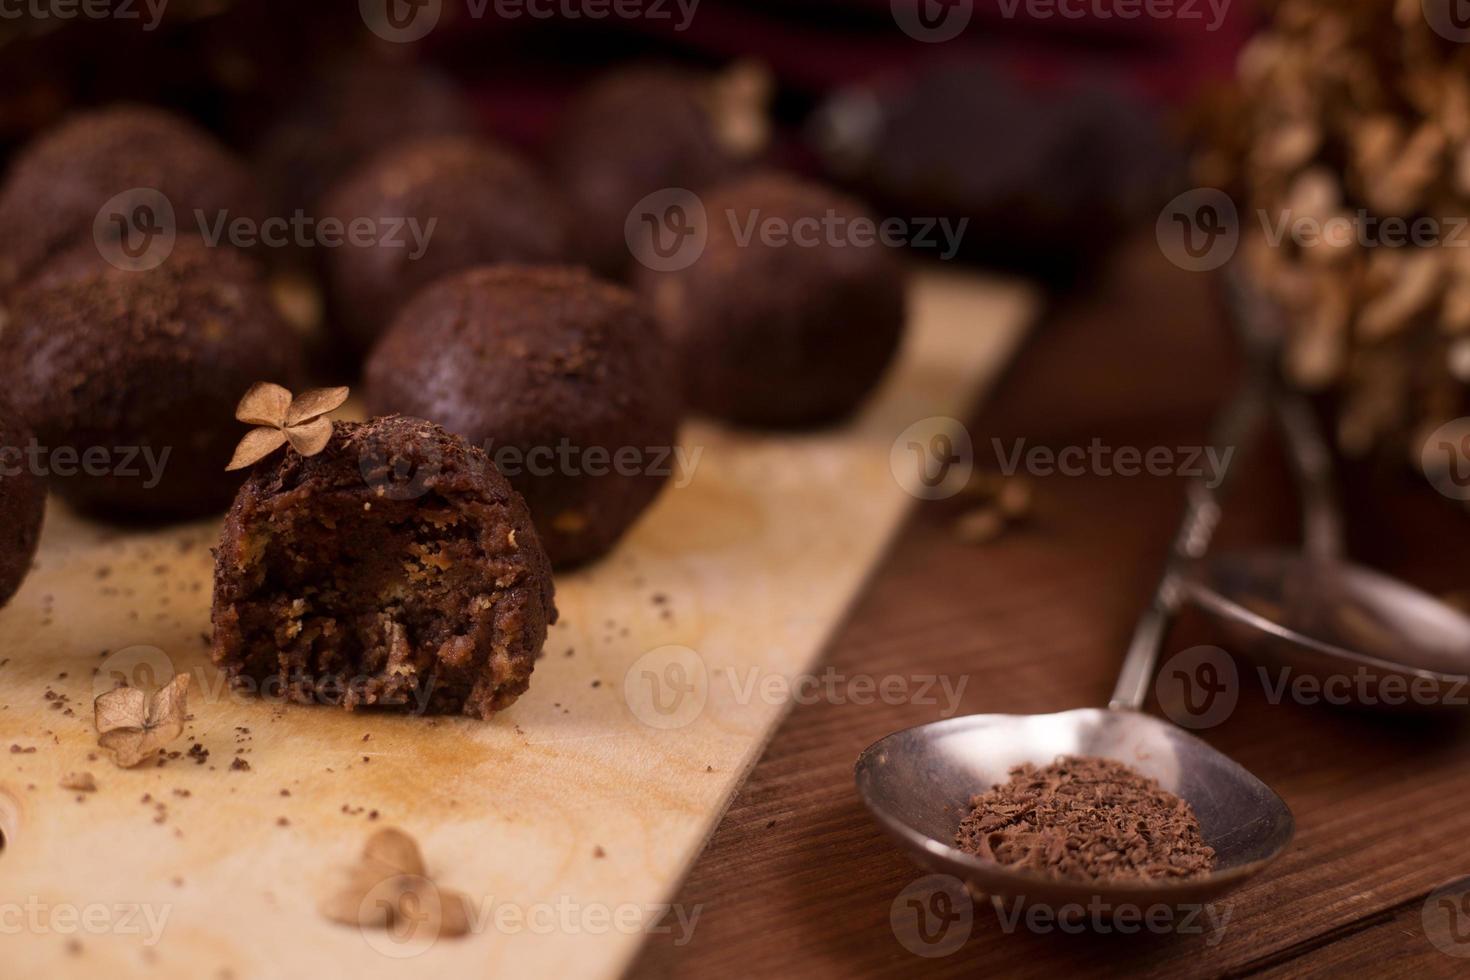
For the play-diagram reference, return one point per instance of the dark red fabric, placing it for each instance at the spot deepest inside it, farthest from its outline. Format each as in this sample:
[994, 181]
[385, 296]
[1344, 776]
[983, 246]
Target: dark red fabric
[521, 69]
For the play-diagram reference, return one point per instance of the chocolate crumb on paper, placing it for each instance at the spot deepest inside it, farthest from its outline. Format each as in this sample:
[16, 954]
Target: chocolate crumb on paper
[1086, 819]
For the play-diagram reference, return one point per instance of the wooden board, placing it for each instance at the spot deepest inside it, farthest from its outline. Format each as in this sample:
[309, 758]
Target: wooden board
[566, 821]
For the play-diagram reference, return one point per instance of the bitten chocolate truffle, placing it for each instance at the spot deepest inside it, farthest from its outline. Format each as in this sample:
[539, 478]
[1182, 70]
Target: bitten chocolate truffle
[427, 209]
[560, 377]
[22, 505]
[641, 130]
[790, 315]
[396, 569]
[129, 378]
[56, 187]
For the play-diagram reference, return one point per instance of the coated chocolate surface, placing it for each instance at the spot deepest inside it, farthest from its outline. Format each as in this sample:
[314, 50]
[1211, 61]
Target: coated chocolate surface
[473, 202]
[786, 334]
[57, 185]
[356, 109]
[553, 373]
[22, 505]
[134, 375]
[632, 133]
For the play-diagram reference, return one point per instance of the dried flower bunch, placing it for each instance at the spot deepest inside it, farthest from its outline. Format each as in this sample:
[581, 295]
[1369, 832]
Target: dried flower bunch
[1352, 117]
[281, 418]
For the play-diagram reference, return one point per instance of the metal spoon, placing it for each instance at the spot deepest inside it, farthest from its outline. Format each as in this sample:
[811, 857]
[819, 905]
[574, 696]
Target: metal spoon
[1365, 639]
[918, 783]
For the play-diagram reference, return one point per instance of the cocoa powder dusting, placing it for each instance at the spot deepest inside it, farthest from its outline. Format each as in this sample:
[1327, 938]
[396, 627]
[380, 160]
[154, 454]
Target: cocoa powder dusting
[1086, 819]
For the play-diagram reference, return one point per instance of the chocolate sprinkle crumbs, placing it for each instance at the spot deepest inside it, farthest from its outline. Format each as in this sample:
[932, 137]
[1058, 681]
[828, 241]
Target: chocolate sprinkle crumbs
[1086, 819]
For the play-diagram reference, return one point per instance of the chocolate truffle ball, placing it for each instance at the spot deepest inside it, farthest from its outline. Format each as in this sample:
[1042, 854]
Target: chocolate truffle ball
[793, 325]
[130, 378]
[560, 377]
[346, 116]
[56, 187]
[642, 130]
[396, 569]
[429, 208]
[22, 505]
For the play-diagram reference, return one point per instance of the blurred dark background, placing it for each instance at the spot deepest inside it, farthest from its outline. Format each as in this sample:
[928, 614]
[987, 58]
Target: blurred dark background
[1050, 132]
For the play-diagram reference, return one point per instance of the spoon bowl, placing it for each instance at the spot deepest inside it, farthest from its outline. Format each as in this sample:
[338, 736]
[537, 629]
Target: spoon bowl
[918, 784]
[1383, 643]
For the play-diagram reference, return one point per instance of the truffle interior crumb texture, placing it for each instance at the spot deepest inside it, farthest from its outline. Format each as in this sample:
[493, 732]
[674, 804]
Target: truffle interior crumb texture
[1086, 819]
[396, 569]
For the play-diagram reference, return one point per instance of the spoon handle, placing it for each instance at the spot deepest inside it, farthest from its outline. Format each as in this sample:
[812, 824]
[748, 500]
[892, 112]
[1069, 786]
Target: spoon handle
[1311, 465]
[1258, 322]
[1235, 425]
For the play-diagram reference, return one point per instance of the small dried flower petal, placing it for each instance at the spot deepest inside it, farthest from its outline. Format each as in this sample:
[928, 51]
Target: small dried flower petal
[310, 438]
[264, 404]
[316, 402]
[256, 446]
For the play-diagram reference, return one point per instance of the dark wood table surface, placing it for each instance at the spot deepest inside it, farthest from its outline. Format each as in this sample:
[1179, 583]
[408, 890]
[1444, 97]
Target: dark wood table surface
[798, 881]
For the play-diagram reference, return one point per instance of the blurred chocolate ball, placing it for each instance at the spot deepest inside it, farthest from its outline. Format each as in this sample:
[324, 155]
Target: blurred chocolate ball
[641, 130]
[354, 110]
[151, 170]
[791, 312]
[426, 209]
[1048, 178]
[561, 378]
[129, 378]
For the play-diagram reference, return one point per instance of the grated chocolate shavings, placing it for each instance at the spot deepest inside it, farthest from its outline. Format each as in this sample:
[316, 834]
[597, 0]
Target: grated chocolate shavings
[1086, 819]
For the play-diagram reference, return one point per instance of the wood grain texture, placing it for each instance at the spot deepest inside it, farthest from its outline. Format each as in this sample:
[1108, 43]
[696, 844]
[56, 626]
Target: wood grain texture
[566, 821]
[798, 881]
